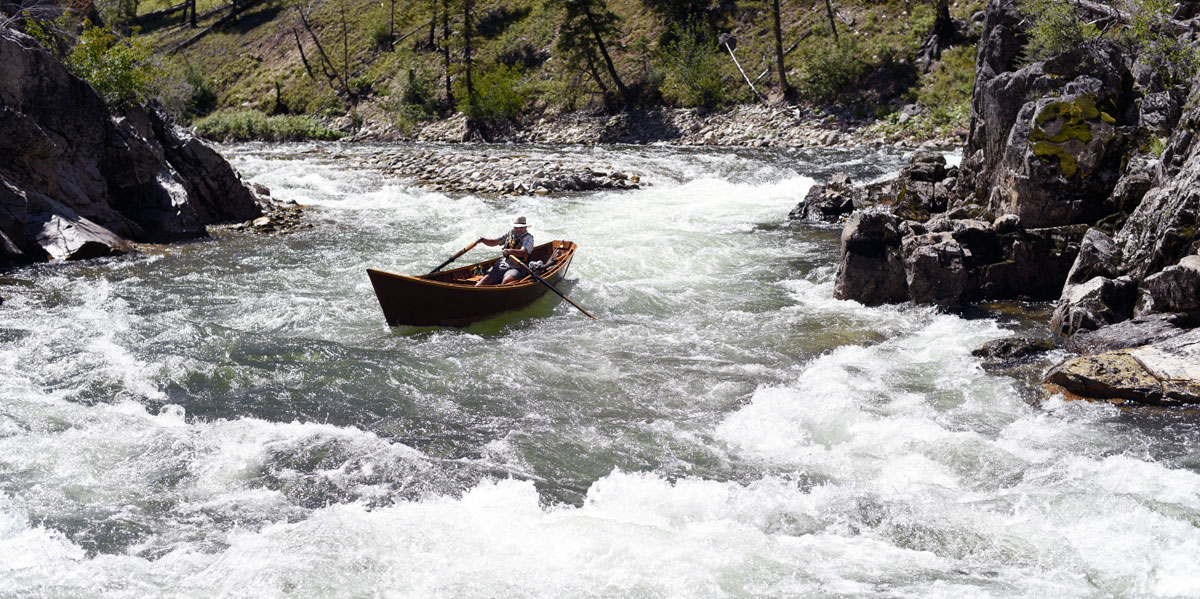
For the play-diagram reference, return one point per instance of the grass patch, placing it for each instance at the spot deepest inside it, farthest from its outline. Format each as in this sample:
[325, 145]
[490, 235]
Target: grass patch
[252, 125]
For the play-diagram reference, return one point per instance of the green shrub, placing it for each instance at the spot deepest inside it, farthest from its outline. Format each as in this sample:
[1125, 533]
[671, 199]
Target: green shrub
[381, 33]
[405, 117]
[946, 91]
[691, 66]
[416, 91]
[56, 35]
[252, 125]
[410, 104]
[1175, 61]
[203, 99]
[117, 68]
[1156, 146]
[498, 94]
[831, 70]
[1057, 28]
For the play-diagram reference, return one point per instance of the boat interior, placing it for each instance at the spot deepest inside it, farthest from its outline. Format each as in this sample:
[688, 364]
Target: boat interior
[550, 254]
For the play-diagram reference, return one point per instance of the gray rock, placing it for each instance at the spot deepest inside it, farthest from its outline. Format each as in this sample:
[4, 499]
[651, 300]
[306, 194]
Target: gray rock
[78, 183]
[1163, 372]
[1175, 362]
[870, 270]
[1098, 256]
[1158, 112]
[1174, 289]
[929, 167]
[826, 203]
[1129, 333]
[1032, 265]
[1162, 229]
[1091, 305]
[1012, 348]
[935, 269]
[1110, 375]
[1009, 223]
[1061, 162]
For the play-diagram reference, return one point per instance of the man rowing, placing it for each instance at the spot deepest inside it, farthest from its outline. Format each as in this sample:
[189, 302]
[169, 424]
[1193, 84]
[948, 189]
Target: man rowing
[517, 243]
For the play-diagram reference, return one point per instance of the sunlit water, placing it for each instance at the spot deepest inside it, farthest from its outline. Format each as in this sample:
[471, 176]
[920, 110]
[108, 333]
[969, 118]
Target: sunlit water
[232, 418]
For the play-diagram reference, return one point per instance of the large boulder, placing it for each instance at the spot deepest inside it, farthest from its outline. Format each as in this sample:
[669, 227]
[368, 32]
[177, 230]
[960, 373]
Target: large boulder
[1061, 163]
[1098, 302]
[1046, 128]
[1164, 372]
[1032, 264]
[1175, 289]
[923, 188]
[871, 270]
[77, 183]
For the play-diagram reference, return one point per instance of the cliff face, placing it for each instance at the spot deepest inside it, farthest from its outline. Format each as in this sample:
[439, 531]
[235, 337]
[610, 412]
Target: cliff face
[77, 183]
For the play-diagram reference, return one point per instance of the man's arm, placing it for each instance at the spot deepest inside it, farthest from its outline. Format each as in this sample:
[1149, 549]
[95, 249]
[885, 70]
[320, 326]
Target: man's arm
[490, 242]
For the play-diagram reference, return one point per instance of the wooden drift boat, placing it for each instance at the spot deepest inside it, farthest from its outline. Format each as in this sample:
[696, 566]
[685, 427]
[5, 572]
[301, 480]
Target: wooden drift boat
[451, 298]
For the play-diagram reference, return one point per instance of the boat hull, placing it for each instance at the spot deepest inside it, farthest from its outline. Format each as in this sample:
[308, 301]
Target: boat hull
[450, 298]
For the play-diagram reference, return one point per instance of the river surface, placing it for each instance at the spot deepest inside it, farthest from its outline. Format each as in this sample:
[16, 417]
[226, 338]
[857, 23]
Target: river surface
[232, 418]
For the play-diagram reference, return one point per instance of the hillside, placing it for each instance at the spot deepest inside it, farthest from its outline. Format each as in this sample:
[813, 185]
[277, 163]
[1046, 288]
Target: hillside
[264, 60]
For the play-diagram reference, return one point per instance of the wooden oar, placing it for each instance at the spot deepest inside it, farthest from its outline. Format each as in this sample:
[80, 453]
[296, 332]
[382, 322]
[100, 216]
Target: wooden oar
[547, 284]
[454, 257]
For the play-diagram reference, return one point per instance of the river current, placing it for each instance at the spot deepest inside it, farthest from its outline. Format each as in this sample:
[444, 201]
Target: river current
[232, 417]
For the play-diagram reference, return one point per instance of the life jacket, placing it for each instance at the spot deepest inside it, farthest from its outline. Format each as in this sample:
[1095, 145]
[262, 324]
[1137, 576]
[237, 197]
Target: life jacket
[512, 242]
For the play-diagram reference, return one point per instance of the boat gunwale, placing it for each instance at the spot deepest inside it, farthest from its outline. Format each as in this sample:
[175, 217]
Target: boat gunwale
[420, 279]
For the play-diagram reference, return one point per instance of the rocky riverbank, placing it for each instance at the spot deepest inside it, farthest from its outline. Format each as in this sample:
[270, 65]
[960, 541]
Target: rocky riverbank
[748, 125]
[1059, 196]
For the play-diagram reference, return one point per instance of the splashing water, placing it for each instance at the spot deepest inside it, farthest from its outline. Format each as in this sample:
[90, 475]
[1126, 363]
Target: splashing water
[232, 417]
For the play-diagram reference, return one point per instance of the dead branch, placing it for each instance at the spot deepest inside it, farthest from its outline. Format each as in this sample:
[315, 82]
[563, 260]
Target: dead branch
[724, 40]
[327, 65]
[803, 36]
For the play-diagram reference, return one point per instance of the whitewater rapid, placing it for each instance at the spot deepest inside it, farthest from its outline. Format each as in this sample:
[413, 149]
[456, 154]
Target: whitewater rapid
[232, 418]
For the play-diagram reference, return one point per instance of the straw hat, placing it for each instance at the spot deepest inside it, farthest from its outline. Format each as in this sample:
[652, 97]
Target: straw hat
[520, 222]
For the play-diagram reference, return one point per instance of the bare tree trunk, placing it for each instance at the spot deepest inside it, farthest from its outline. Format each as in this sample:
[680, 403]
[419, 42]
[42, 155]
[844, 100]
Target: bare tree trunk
[777, 26]
[612, 70]
[468, 5]
[392, 27]
[591, 64]
[433, 23]
[345, 44]
[303, 58]
[446, 49]
[725, 40]
[330, 70]
[832, 23]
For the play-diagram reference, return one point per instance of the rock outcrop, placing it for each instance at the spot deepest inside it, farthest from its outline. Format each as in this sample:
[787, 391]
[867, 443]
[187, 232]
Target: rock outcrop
[946, 257]
[830, 202]
[1151, 260]
[77, 183]
[1059, 197]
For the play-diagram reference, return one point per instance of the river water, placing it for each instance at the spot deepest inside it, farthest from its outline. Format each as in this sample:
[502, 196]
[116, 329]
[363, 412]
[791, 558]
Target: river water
[232, 418]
